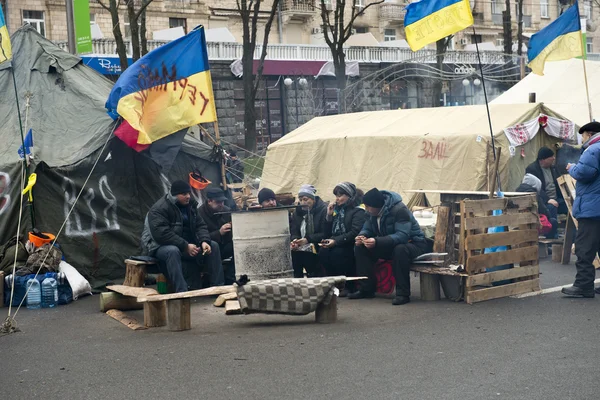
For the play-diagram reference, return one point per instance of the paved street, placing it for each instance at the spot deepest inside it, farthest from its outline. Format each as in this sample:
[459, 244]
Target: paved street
[542, 347]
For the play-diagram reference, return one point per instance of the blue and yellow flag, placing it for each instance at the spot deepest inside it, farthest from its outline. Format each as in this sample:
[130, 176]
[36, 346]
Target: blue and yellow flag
[167, 90]
[428, 21]
[561, 40]
[5, 48]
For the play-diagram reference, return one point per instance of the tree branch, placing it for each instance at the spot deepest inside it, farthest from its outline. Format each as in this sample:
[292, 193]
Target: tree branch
[361, 12]
[263, 55]
[143, 7]
[103, 5]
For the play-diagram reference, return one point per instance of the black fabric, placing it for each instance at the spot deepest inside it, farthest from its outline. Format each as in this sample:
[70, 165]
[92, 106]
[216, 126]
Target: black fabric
[180, 187]
[544, 152]
[535, 169]
[265, 194]
[374, 198]
[318, 214]
[308, 261]
[590, 127]
[402, 256]
[587, 245]
[354, 220]
[164, 151]
[214, 222]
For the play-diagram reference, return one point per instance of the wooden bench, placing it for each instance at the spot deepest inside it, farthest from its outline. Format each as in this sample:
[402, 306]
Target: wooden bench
[430, 279]
[135, 272]
[544, 244]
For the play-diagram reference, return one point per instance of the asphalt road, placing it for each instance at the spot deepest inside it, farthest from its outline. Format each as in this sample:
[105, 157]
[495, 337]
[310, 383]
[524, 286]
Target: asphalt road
[542, 347]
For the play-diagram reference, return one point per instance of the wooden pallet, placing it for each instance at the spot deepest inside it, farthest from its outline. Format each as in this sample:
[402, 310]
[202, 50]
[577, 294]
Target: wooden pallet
[566, 183]
[520, 219]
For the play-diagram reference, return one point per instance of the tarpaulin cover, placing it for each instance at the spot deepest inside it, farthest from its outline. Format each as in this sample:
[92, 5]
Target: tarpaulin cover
[67, 116]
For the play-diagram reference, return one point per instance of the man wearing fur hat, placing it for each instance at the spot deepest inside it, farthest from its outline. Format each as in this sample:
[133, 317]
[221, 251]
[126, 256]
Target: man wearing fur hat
[586, 209]
[173, 231]
[390, 232]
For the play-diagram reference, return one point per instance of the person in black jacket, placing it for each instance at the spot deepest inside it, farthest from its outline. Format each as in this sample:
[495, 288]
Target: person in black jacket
[531, 184]
[343, 223]
[173, 231]
[543, 169]
[215, 213]
[390, 232]
[308, 228]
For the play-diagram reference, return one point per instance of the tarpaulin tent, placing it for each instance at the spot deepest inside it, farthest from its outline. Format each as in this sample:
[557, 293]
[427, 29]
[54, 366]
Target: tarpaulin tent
[445, 148]
[63, 103]
[562, 88]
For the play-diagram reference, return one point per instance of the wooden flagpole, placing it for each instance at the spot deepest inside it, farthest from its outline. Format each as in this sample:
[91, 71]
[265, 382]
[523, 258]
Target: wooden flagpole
[587, 90]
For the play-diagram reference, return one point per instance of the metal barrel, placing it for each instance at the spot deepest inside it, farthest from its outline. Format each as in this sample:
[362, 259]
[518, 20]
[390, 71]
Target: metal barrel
[261, 244]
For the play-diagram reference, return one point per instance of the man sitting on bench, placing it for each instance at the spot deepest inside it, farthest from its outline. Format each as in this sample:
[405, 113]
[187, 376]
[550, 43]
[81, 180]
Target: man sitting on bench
[390, 232]
[173, 231]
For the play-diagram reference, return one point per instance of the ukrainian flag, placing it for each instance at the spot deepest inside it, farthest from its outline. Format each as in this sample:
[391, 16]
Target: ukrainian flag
[5, 48]
[167, 90]
[428, 21]
[561, 40]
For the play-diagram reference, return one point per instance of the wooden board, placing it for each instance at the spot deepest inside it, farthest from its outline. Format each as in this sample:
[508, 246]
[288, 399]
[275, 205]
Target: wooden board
[133, 291]
[116, 301]
[436, 270]
[136, 262]
[444, 233]
[513, 256]
[501, 220]
[523, 202]
[474, 296]
[512, 238]
[1, 289]
[180, 318]
[211, 291]
[489, 277]
[232, 307]
[155, 314]
[129, 322]
[220, 301]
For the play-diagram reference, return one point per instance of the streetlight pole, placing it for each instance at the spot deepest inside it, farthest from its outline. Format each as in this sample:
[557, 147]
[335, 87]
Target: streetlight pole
[71, 28]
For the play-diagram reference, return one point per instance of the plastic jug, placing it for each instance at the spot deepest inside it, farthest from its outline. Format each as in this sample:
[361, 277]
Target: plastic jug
[49, 292]
[34, 297]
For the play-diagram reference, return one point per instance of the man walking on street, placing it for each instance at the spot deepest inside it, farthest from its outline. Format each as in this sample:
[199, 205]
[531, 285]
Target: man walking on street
[173, 231]
[586, 210]
[391, 233]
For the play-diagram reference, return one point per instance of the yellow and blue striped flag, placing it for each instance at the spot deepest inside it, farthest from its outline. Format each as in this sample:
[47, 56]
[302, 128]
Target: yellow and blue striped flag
[561, 40]
[167, 90]
[5, 48]
[428, 21]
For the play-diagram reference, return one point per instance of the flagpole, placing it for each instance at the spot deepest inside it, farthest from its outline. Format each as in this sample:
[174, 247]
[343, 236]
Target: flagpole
[487, 107]
[218, 137]
[583, 58]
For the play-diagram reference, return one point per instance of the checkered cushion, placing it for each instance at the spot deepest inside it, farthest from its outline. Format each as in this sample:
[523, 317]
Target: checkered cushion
[297, 296]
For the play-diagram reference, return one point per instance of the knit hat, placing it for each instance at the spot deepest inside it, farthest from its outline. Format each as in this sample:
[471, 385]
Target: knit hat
[266, 194]
[544, 153]
[215, 194]
[593, 127]
[345, 187]
[533, 181]
[180, 187]
[374, 198]
[308, 191]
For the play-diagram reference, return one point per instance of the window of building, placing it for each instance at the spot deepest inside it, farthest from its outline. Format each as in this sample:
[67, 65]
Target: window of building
[35, 19]
[389, 35]
[360, 3]
[496, 7]
[92, 18]
[544, 9]
[176, 22]
[587, 9]
[500, 43]
[589, 45]
[475, 39]
[361, 29]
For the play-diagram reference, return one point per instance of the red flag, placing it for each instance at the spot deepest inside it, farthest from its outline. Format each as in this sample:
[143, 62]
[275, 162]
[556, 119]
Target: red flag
[129, 136]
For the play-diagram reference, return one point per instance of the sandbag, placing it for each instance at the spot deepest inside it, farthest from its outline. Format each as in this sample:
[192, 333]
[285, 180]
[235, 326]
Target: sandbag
[79, 285]
[7, 256]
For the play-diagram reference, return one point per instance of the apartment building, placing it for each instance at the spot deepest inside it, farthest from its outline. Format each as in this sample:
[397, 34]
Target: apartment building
[298, 21]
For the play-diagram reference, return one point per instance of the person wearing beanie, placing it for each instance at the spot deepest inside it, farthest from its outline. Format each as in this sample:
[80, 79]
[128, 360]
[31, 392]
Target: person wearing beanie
[266, 198]
[543, 169]
[390, 232]
[586, 209]
[174, 232]
[344, 221]
[307, 231]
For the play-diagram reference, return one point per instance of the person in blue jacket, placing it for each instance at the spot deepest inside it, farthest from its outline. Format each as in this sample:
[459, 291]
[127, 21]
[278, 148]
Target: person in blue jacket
[390, 232]
[586, 209]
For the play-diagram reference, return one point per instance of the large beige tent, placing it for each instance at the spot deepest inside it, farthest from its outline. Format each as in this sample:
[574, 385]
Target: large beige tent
[429, 148]
[562, 88]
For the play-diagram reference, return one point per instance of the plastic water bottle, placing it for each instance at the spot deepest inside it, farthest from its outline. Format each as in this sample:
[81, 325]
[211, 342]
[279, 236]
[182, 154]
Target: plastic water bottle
[34, 297]
[49, 292]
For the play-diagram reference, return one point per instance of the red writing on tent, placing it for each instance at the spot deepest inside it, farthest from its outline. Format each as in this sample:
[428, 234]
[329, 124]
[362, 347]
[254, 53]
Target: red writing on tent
[431, 151]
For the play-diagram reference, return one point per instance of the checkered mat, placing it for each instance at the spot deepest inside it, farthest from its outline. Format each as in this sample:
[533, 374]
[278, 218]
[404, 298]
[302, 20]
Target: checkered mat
[297, 296]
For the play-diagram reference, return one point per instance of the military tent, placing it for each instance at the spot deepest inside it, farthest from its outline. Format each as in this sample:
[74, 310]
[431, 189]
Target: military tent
[445, 148]
[62, 101]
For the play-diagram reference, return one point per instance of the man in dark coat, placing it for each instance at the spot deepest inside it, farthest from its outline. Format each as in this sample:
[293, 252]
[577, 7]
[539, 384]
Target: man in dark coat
[543, 169]
[215, 213]
[235, 168]
[173, 231]
[586, 209]
[308, 227]
[390, 232]
[531, 184]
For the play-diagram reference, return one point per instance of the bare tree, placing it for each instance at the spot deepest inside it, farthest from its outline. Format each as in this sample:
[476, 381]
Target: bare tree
[507, 29]
[337, 29]
[113, 9]
[441, 47]
[250, 11]
[520, 28]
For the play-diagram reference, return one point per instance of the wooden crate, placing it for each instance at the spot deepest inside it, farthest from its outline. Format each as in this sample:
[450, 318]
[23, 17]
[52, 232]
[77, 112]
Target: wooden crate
[520, 219]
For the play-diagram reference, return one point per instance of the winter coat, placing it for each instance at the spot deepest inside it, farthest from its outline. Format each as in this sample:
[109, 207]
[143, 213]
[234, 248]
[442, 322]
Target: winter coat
[542, 198]
[354, 220]
[214, 222]
[164, 226]
[318, 214]
[536, 169]
[398, 225]
[586, 173]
